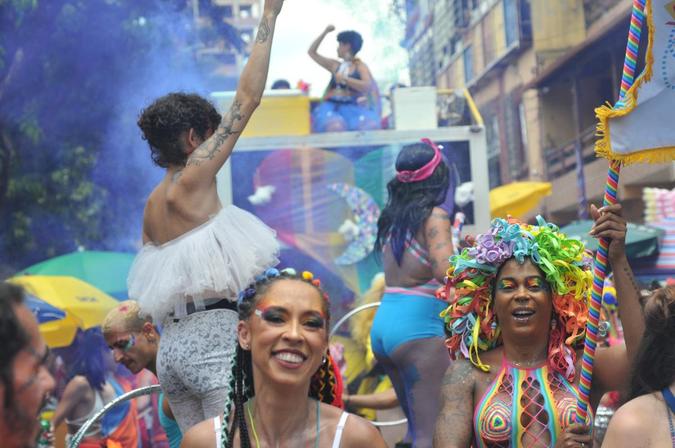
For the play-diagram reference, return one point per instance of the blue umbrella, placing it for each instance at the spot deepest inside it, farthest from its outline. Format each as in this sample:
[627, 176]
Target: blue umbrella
[43, 311]
[57, 327]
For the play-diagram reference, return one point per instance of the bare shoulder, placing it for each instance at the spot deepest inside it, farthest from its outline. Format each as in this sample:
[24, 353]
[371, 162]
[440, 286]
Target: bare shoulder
[633, 423]
[359, 432]
[201, 435]
[439, 213]
[460, 372]
[77, 386]
[361, 66]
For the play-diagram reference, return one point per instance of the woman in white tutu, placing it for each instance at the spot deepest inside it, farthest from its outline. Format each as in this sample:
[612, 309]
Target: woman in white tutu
[198, 255]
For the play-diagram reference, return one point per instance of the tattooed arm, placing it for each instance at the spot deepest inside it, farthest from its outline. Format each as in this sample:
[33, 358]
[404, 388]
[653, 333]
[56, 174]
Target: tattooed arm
[454, 426]
[612, 365]
[205, 161]
[438, 235]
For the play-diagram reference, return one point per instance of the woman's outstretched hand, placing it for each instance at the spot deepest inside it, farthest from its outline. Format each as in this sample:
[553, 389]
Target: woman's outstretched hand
[611, 225]
[329, 29]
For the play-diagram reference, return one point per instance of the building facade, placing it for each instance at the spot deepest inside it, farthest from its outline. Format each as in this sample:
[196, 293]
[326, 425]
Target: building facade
[226, 34]
[419, 42]
[537, 69]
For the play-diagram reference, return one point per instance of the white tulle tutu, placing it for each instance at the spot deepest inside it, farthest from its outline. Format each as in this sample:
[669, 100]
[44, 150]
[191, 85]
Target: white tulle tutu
[214, 260]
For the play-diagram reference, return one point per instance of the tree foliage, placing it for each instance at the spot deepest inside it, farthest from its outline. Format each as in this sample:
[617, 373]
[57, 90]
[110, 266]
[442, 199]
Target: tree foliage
[73, 76]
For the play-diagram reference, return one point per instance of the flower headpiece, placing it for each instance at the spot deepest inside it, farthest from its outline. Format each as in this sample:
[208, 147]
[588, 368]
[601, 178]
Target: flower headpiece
[470, 320]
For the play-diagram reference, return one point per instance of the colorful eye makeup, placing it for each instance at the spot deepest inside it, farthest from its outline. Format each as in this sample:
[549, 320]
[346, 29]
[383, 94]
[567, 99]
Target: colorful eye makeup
[314, 319]
[506, 283]
[124, 345]
[535, 283]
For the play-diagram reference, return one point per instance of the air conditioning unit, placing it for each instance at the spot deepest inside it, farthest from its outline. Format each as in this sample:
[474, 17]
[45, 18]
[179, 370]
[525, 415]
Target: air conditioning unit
[415, 108]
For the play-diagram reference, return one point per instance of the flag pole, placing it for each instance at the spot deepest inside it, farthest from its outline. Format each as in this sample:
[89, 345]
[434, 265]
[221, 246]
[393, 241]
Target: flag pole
[600, 262]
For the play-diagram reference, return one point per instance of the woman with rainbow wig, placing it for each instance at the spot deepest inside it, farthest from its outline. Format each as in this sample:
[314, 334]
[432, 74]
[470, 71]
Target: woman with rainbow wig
[516, 324]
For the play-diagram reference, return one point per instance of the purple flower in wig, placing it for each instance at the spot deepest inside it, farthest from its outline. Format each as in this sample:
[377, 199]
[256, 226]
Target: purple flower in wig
[491, 256]
[486, 240]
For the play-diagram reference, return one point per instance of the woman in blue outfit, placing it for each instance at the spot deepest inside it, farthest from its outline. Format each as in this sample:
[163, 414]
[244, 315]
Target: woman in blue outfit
[414, 238]
[351, 101]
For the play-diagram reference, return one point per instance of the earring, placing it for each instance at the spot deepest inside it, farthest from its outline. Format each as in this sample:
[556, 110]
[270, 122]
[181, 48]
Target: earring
[554, 324]
[324, 360]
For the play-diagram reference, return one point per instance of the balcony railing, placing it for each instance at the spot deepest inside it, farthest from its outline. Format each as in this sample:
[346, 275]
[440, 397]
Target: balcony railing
[562, 159]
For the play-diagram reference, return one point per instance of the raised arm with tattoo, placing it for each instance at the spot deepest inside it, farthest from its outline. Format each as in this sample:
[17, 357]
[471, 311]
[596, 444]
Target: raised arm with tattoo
[613, 364]
[438, 234]
[203, 164]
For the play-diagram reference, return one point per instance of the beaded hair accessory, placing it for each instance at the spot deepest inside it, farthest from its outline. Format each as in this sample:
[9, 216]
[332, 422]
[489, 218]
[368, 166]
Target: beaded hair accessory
[273, 273]
[424, 172]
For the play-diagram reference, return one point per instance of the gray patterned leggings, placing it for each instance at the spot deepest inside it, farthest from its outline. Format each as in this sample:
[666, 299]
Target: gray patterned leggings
[194, 364]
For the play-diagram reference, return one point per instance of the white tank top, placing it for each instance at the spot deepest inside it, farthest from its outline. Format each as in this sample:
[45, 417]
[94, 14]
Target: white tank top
[336, 440]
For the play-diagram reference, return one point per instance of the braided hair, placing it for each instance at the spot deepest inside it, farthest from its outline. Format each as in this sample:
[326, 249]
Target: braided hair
[323, 385]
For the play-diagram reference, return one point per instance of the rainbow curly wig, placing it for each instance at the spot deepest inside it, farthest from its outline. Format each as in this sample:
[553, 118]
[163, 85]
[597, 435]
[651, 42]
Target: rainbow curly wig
[471, 324]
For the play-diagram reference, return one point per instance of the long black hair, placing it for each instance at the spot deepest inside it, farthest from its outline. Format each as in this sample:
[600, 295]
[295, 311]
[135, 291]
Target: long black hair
[410, 203]
[654, 364]
[323, 386]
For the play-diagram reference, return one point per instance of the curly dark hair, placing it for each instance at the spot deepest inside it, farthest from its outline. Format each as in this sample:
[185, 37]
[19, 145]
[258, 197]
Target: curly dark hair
[163, 122]
[13, 336]
[352, 38]
[323, 385]
[410, 203]
[654, 364]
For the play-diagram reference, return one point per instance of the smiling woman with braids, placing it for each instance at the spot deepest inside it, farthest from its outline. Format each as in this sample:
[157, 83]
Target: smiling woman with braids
[283, 380]
[518, 308]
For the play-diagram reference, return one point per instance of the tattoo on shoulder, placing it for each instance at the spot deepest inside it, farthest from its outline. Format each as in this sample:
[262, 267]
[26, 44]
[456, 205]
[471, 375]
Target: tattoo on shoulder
[209, 149]
[263, 32]
[432, 233]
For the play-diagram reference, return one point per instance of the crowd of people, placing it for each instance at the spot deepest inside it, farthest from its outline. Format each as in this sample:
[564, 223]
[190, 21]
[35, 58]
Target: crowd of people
[483, 346]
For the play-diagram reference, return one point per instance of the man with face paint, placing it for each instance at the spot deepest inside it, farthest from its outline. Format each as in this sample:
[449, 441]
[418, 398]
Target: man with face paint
[25, 382]
[134, 341]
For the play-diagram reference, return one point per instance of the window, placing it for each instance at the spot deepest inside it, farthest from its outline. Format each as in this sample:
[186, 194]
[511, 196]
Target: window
[468, 63]
[510, 21]
[493, 148]
[245, 11]
[246, 35]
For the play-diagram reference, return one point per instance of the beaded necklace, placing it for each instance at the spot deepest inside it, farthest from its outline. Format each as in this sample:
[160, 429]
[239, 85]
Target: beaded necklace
[255, 434]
